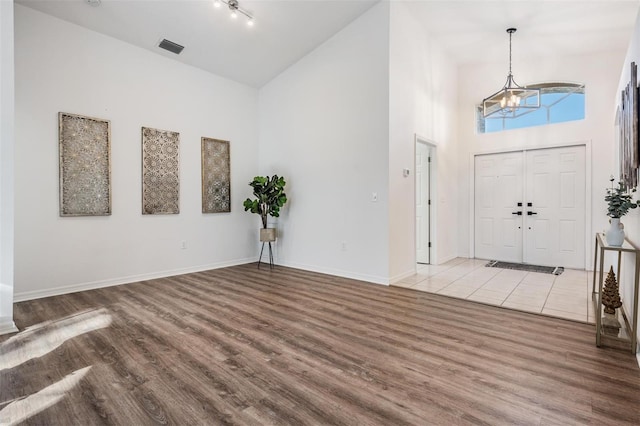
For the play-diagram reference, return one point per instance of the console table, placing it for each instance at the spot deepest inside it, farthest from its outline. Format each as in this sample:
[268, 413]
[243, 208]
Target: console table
[628, 333]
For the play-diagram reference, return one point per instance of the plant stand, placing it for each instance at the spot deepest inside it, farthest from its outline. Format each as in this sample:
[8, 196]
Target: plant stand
[267, 236]
[270, 255]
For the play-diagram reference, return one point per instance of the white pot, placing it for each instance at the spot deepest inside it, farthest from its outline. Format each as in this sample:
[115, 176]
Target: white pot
[615, 234]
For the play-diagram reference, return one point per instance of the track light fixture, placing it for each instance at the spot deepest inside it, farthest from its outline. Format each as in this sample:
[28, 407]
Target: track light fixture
[235, 9]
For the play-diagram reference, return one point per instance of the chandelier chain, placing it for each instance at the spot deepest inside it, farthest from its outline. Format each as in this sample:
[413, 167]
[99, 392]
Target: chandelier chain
[510, 31]
[510, 34]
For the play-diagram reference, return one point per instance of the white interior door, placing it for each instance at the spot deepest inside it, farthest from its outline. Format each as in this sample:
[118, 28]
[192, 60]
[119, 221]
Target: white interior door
[498, 190]
[555, 220]
[550, 186]
[422, 203]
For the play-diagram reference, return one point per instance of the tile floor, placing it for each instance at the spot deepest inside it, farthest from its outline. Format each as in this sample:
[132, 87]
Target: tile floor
[567, 295]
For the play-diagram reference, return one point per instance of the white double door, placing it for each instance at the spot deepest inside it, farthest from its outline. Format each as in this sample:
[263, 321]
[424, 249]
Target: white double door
[530, 207]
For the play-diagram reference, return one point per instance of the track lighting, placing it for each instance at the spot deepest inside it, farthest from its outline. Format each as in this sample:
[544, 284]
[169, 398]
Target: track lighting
[235, 9]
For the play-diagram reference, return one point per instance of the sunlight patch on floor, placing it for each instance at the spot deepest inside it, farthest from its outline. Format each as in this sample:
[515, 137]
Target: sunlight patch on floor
[43, 338]
[22, 409]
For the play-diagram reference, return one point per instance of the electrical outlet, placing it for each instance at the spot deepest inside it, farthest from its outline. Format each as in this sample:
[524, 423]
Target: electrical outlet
[343, 246]
[183, 245]
[374, 197]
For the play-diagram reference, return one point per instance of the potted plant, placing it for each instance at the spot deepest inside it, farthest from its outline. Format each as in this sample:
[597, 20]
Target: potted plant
[270, 197]
[619, 203]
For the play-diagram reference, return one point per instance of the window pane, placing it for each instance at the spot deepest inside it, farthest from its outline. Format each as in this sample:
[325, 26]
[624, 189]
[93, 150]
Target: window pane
[559, 102]
[569, 109]
[536, 117]
[493, 125]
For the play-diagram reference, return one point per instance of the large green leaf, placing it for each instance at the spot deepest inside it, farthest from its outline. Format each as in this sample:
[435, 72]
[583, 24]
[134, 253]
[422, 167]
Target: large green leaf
[619, 200]
[270, 196]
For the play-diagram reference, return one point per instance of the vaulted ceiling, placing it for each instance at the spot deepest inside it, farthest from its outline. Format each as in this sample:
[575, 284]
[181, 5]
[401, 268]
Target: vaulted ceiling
[469, 30]
[474, 31]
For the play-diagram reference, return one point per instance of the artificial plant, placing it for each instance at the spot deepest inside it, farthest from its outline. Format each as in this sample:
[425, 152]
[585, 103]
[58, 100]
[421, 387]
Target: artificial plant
[619, 200]
[270, 197]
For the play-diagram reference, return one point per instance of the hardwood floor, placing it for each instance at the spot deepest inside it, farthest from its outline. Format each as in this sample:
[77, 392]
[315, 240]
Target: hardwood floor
[246, 346]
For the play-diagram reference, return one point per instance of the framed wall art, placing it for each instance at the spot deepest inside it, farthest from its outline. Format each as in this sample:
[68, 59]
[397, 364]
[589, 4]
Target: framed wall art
[628, 127]
[84, 145]
[216, 176]
[160, 171]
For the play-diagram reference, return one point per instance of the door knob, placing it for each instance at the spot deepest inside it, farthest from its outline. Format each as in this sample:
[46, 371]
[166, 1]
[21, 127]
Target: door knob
[531, 213]
[518, 213]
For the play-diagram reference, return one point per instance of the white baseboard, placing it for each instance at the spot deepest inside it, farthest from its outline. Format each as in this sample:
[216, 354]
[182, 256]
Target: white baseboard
[7, 327]
[448, 258]
[38, 294]
[402, 276]
[337, 272]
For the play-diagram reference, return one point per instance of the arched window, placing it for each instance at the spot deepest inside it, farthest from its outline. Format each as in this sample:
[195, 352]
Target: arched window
[559, 102]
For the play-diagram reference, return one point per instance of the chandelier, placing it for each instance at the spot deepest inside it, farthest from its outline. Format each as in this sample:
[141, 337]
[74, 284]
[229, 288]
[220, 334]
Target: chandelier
[235, 9]
[512, 100]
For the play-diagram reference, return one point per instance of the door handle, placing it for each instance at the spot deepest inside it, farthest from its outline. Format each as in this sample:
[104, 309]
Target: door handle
[518, 213]
[531, 213]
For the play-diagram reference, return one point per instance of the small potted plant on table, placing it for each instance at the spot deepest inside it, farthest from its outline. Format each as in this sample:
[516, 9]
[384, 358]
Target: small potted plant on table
[619, 203]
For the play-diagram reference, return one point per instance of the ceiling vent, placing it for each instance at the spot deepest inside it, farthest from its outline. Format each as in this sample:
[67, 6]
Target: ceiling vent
[170, 46]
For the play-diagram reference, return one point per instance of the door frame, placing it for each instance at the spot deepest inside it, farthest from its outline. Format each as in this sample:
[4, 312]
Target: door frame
[433, 190]
[588, 183]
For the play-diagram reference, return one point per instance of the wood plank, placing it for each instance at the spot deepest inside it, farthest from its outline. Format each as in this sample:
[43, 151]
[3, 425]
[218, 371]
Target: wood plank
[246, 346]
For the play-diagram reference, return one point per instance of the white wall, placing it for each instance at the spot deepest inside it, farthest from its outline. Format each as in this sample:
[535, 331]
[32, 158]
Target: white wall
[64, 67]
[6, 166]
[632, 220]
[324, 126]
[599, 72]
[423, 99]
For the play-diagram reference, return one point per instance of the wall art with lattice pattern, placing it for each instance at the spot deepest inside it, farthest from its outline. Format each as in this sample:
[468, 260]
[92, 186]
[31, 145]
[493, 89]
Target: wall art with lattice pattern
[216, 176]
[160, 171]
[85, 166]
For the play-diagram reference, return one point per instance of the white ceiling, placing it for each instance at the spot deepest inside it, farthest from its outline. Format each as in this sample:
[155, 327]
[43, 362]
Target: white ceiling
[474, 31]
[284, 31]
[470, 31]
